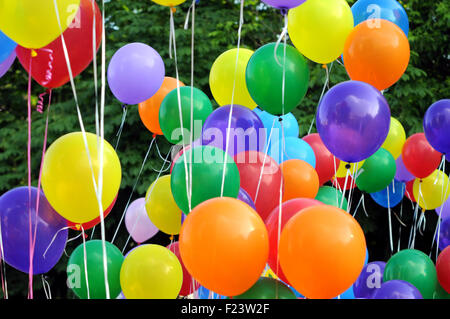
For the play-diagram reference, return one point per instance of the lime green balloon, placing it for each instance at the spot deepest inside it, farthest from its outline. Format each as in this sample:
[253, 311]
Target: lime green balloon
[169, 114]
[377, 172]
[415, 267]
[76, 275]
[268, 288]
[327, 195]
[207, 171]
[264, 77]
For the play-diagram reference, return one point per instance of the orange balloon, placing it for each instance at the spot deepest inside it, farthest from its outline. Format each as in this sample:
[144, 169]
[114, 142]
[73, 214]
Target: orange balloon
[149, 110]
[300, 180]
[322, 251]
[224, 245]
[376, 52]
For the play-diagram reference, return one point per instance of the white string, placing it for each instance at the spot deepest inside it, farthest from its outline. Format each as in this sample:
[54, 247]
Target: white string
[390, 221]
[345, 188]
[5, 292]
[122, 124]
[94, 55]
[400, 227]
[85, 263]
[46, 287]
[351, 191]
[357, 206]
[437, 231]
[53, 239]
[192, 93]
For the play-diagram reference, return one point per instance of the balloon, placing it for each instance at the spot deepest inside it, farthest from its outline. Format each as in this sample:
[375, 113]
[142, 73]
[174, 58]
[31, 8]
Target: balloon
[409, 190]
[414, 267]
[431, 191]
[49, 66]
[318, 28]
[34, 24]
[6, 65]
[397, 289]
[443, 269]
[138, 223]
[283, 4]
[207, 174]
[292, 148]
[389, 10]
[377, 172]
[436, 125]
[396, 192]
[339, 182]
[353, 120]
[419, 157]
[161, 207]
[256, 168]
[67, 176]
[331, 196]
[267, 288]
[227, 78]
[244, 130]
[76, 276]
[440, 293]
[245, 197]
[94, 222]
[149, 109]
[325, 161]
[300, 180]
[7, 47]
[169, 114]
[288, 209]
[401, 173]
[17, 217]
[370, 279]
[444, 209]
[395, 139]
[349, 169]
[151, 272]
[264, 77]
[444, 234]
[189, 285]
[204, 293]
[135, 73]
[348, 294]
[169, 3]
[228, 237]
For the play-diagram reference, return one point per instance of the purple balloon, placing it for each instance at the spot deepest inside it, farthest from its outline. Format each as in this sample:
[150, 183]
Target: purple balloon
[353, 120]
[15, 219]
[246, 130]
[284, 4]
[5, 65]
[137, 222]
[444, 234]
[135, 73]
[445, 209]
[369, 280]
[402, 174]
[436, 126]
[245, 197]
[397, 289]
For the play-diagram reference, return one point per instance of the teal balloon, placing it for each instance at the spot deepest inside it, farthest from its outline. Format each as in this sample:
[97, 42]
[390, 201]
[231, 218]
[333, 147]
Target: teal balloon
[331, 196]
[268, 288]
[292, 148]
[377, 172]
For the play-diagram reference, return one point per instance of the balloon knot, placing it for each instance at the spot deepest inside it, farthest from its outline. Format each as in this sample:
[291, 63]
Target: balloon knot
[154, 135]
[33, 53]
[77, 226]
[280, 119]
[348, 166]
[173, 9]
[284, 11]
[324, 66]
[171, 237]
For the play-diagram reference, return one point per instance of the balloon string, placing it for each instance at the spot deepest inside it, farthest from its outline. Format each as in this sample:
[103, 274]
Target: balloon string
[412, 234]
[351, 191]
[357, 206]
[46, 286]
[85, 263]
[337, 186]
[442, 163]
[192, 94]
[345, 188]
[390, 222]
[422, 223]
[49, 71]
[3, 268]
[94, 64]
[30, 269]
[282, 36]
[53, 240]
[400, 228]
[437, 231]
[122, 124]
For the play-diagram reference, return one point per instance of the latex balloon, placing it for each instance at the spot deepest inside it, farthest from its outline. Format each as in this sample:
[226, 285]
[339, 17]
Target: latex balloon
[6, 65]
[322, 251]
[300, 180]
[391, 196]
[292, 148]
[227, 80]
[256, 168]
[7, 47]
[264, 77]
[189, 285]
[169, 3]
[443, 269]
[395, 139]
[161, 207]
[339, 182]
[18, 219]
[135, 73]
[138, 223]
[349, 169]
[149, 109]
[325, 161]
[348, 294]
[331, 196]
[203, 293]
[67, 176]
[414, 267]
[444, 209]
[318, 28]
[377, 172]
[401, 173]
[353, 120]
[409, 192]
[76, 275]
[430, 191]
[207, 174]
[419, 157]
[440, 293]
[49, 66]
[397, 289]
[436, 125]
[444, 234]
[268, 288]
[370, 280]
[224, 245]
[94, 222]
[34, 24]
[283, 4]
[179, 131]
[245, 197]
[151, 272]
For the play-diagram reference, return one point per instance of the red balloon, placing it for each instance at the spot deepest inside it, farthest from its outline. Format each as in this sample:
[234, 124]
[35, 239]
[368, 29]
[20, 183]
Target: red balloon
[288, 210]
[419, 157]
[443, 269]
[325, 161]
[188, 287]
[409, 190]
[250, 164]
[93, 222]
[341, 181]
[49, 66]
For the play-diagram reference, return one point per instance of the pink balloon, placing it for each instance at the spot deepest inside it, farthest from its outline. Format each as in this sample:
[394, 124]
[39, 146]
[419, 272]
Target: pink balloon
[138, 223]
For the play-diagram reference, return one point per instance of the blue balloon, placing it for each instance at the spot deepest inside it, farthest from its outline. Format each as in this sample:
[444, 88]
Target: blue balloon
[369, 280]
[204, 293]
[7, 46]
[367, 257]
[294, 148]
[396, 193]
[397, 289]
[348, 294]
[389, 10]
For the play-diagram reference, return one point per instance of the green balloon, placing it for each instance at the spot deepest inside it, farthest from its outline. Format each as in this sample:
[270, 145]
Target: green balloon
[415, 267]
[264, 78]
[76, 276]
[377, 172]
[207, 172]
[440, 293]
[268, 288]
[169, 114]
[327, 195]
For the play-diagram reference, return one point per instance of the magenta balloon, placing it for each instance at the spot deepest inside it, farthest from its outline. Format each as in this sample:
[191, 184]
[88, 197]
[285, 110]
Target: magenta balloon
[284, 4]
[135, 73]
[137, 222]
[6, 65]
[402, 174]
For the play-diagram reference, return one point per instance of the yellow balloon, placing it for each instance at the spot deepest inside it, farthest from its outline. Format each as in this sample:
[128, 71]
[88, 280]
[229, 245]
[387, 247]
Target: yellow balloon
[319, 28]
[67, 177]
[33, 24]
[222, 76]
[161, 207]
[395, 139]
[432, 191]
[151, 272]
[342, 170]
[169, 3]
